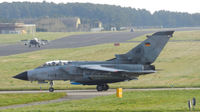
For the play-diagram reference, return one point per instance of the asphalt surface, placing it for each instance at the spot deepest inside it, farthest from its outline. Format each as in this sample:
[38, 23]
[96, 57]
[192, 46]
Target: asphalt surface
[79, 94]
[73, 41]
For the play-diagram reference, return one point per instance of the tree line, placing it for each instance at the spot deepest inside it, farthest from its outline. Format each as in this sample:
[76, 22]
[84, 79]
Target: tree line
[109, 15]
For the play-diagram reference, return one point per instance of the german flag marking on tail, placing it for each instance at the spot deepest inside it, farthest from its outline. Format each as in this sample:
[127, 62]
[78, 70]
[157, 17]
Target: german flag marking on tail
[147, 44]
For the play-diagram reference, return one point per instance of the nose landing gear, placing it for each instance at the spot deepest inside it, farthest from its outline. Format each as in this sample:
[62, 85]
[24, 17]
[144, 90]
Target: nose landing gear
[51, 89]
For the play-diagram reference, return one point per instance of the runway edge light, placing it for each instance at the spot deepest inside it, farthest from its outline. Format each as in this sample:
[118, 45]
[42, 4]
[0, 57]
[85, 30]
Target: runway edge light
[119, 92]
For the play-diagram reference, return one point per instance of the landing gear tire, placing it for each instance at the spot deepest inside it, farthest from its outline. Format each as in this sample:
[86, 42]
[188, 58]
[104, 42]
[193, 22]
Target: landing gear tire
[99, 88]
[103, 87]
[51, 89]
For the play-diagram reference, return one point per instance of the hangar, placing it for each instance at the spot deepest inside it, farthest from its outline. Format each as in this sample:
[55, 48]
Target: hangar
[17, 28]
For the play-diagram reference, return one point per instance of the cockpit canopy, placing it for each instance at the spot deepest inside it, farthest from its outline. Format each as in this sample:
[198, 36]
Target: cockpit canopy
[36, 39]
[55, 63]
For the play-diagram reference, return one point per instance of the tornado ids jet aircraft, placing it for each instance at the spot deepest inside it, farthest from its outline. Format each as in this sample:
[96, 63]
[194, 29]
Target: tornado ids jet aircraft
[129, 66]
[35, 42]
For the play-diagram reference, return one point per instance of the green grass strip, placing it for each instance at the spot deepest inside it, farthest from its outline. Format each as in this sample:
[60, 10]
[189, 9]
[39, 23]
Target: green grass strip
[135, 101]
[23, 98]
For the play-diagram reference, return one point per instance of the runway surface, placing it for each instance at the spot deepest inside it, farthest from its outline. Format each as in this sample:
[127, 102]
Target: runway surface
[79, 94]
[74, 41]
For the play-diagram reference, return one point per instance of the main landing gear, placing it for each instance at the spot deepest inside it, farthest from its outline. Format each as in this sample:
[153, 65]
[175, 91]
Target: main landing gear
[102, 87]
[51, 89]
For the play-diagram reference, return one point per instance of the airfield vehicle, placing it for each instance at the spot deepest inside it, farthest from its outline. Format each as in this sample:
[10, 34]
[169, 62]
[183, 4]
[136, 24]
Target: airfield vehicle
[129, 66]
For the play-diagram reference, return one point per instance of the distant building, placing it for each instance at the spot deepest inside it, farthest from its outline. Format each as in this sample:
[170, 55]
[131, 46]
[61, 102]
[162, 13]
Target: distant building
[29, 28]
[71, 23]
[96, 29]
[17, 28]
[96, 26]
[84, 27]
[63, 24]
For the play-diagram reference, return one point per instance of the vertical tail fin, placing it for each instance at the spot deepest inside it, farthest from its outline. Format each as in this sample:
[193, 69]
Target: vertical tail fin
[147, 51]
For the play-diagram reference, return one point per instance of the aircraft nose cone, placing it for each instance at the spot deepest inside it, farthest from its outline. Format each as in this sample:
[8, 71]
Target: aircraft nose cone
[22, 76]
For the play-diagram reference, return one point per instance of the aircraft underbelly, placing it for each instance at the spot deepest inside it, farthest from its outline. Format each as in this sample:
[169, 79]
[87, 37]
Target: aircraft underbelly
[99, 78]
[96, 82]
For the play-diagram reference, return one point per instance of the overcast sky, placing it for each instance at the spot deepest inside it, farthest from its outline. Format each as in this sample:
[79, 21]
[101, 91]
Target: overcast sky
[191, 6]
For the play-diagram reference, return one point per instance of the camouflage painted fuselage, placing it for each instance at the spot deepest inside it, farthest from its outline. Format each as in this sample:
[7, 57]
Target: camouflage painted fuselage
[129, 66]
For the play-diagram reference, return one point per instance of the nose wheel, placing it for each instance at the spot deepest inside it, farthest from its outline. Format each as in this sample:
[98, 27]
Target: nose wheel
[103, 87]
[51, 89]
